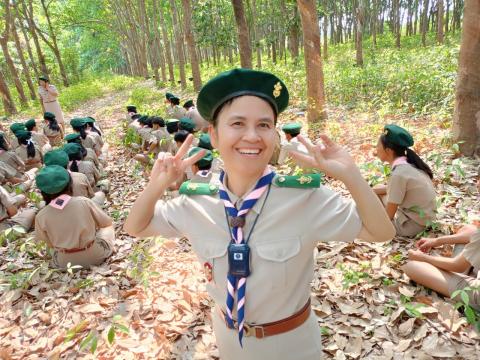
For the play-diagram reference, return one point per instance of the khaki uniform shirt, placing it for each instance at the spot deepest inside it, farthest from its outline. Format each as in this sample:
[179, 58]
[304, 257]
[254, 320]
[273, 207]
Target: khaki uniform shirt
[97, 138]
[163, 139]
[12, 159]
[21, 151]
[40, 139]
[81, 185]
[199, 121]
[92, 157]
[7, 172]
[293, 221]
[72, 227]
[471, 252]
[14, 143]
[88, 168]
[55, 137]
[176, 112]
[5, 202]
[412, 190]
[90, 143]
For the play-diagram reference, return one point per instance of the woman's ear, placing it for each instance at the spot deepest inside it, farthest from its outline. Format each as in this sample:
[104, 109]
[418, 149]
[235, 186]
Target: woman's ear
[213, 135]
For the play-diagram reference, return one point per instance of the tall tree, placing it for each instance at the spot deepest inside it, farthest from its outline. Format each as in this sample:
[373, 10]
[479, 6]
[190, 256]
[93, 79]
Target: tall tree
[179, 44]
[7, 100]
[25, 71]
[440, 24]
[360, 16]
[187, 18]
[424, 22]
[313, 61]
[466, 118]
[243, 34]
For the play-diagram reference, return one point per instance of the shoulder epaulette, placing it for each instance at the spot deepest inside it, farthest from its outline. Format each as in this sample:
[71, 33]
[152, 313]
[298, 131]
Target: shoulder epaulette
[305, 181]
[193, 188]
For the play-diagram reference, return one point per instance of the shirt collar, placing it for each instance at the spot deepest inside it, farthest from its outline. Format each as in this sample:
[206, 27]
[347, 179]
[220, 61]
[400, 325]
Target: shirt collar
[238, 201]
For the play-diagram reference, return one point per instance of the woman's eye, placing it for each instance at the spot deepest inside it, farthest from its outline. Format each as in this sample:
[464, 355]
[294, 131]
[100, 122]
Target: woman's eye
[265, 125]
[237, 123]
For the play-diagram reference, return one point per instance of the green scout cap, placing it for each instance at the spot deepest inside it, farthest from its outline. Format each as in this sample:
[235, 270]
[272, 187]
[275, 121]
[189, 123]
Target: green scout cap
[397, 135]
[143, 119]
[204, 142]
[292, 128]
[188, 104]
[77, 122]
[71, 137]
[56, 157]
[131, 108]
[29, 124]
[169, 95]
[205, 160]
[49, 115]
[172, 125]
[89, 120]
[238, 82]
[17, 127]
[186, 124]
[23, 135]
[52, 179]
[72, 148]
[44, 78]
[175, 100]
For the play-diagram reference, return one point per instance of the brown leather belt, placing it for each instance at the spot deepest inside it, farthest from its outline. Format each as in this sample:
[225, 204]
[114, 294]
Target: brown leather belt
[75, 250]
[277, 327]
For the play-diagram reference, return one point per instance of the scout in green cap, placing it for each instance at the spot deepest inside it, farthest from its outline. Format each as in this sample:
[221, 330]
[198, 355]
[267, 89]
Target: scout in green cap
[12, 169]
[95, 133]
[131, 110]
[56, 157]
[172, 125]
[75, 228]
[27, 150]
[38, 138]
[174, 110]
[16, 127]
[90, 153]
[30, 124]
[202, 169]
[409, 195]
[79, 125]
[255, 231]
[204, 142]
[291, 132]
[52, 130]
[76, 154]
[187, 124]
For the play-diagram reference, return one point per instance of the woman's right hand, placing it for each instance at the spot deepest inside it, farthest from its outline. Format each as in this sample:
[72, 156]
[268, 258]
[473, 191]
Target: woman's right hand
[168, 168]
[426, 244]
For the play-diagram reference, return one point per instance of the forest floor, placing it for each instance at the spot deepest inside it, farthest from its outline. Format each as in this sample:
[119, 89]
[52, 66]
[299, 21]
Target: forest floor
[149, 300]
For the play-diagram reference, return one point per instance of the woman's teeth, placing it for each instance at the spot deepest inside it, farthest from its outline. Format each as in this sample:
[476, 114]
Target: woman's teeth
[249, 151]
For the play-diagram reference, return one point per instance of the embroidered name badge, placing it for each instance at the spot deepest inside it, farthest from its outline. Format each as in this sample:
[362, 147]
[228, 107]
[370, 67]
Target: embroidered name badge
[60, 202]
[207, 268]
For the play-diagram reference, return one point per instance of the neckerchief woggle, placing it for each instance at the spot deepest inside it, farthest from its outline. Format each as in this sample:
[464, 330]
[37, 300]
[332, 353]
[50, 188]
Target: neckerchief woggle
[239, 284]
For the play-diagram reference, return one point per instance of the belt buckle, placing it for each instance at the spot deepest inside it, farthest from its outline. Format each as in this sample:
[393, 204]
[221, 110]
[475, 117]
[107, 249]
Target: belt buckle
[252, 331]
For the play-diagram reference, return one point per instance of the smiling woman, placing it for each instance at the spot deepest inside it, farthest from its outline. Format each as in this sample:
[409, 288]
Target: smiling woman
[258, 229]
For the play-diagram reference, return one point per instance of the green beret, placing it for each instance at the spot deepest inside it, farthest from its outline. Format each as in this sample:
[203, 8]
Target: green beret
[71, 137]
[188, 104]
[186, 124]
[397, 135]
[72, 148]
[143, 119]
[52, 179]
[29, 124]
[204, 142]
[56, 157]
[44, 78]
[238, 82]
[205, 160]
[169, 95]
[17, 126]
[292, 128]
[89, 120]
[23, 135]
[131, 108]
[77, 122]
[49, 116]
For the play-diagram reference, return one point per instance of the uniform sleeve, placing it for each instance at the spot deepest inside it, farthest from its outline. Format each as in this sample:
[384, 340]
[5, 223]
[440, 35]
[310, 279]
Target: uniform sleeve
[5, 198]
[90, 191]
[40, 234]
[168, 218]
[471, 252]
[396, 189]
[334, 217]
[101, 218]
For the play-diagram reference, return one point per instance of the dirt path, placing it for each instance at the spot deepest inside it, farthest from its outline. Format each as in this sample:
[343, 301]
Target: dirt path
[151, 293]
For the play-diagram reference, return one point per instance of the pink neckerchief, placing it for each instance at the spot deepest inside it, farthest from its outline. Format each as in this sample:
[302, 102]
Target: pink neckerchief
[60, 202]
[401, 160]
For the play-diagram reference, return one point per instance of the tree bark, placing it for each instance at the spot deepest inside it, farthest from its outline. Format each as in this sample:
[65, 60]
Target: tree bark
[7, 100]
[187, 18]
[243, 34]
[178, 45]
[166, 44]
[29, 48]
[25, 71]
[313, 61]
[440, 25]
[374, 22]
[359, 45]
[293, 35]
[425, 22]
[466, 118]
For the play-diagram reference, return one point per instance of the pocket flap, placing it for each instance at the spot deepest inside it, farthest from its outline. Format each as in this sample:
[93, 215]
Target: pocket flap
[279, 250]
[212, 250]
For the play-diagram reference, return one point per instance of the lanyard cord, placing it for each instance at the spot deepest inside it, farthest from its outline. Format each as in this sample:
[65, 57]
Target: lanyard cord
[254, 222]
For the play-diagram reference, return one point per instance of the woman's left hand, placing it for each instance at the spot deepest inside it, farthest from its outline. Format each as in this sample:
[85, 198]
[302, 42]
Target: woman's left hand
[416, 255]
[326, 156]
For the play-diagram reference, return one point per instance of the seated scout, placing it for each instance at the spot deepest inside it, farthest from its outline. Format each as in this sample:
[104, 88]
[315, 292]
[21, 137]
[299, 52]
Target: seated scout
[80, 183]
[174, 110]
[10, 216]
[93, 130]
[200, 123]
[90, 153]
[27, 151]
[14, 128]
[134, 124]
[77, 230]
[37, 137]
[11, 159]
[202, 169]
[79, 125]
[131, 110]
[78, 164]
[409, 196]
[204, 142]
[159, 141]
[172, 125]
[445, 275]
[186, 124]
[291, 131]
[52, 130]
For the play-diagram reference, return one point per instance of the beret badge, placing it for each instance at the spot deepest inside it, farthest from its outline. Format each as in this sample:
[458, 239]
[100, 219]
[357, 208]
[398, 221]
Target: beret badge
[277, 88]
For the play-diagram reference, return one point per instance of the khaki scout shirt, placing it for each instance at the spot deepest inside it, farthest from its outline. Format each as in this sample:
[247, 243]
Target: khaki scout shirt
[7, 172]
[412, 190]
[176, 112]
[11, 158]
[72, 227]
[80, 185]
[5, 202]
[471, 252]
[90, 143]
[21, 151]
[293, 221]
[40, 139]
[51, 134]
[97, 138]
[199, 121]
[163, 139]
[92, 157]
[88, 168]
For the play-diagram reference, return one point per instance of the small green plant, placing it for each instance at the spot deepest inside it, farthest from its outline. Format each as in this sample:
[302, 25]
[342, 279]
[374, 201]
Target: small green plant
[351, 276]
[325, 331]
[131, 137]
[386, 281]
[141, 259]
[11, 234]
[90, 341]
[117, 325]
[472, 315]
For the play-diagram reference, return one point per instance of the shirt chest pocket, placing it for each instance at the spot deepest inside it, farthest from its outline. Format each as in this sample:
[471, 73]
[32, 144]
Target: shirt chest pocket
[214, 260]
[275, 260]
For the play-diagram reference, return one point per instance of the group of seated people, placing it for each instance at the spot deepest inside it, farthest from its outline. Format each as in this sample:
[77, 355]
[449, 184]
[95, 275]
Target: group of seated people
[67, 171]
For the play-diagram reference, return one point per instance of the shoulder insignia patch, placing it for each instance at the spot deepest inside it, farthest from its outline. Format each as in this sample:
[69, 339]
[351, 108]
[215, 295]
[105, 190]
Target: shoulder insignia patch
[193, 188]
[305, 181]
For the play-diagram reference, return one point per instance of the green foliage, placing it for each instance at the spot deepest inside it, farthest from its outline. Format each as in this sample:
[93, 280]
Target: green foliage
[472, 314]
[352, 276]
[117, 326]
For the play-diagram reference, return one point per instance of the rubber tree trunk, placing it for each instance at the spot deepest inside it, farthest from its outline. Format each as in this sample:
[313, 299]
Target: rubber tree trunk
[187, 18]
[25, 71]
[243, 34]
[7, 100]
[466, 118]
[313, 61]
[179, 45]
[440, 25]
